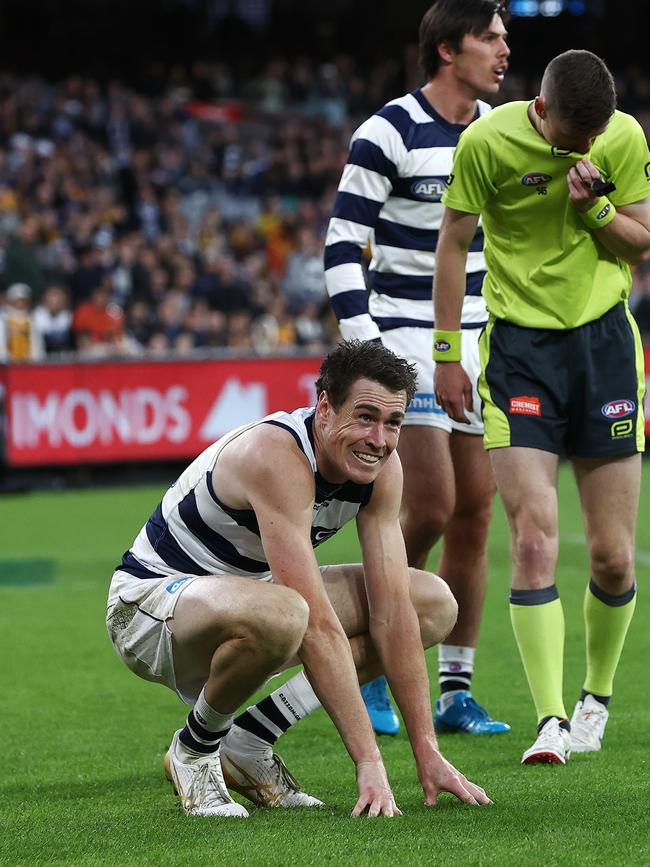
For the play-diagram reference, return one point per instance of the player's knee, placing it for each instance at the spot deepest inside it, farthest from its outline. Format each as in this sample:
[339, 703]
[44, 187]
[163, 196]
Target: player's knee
[612, 566]
[471, 523]
[535, 549]
[428, 515]
[435, 606]
[283, 625]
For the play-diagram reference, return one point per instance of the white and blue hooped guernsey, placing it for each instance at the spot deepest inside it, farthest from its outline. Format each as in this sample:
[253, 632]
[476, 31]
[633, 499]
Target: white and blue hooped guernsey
[389, 195]
[192, 532]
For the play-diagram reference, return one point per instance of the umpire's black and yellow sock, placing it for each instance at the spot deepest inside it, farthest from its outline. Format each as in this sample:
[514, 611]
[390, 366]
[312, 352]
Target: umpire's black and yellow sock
[607, 618]
[538, 624]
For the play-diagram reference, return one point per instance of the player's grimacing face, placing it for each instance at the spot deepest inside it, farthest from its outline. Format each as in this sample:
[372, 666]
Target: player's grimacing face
[361, 435]
[482, 61]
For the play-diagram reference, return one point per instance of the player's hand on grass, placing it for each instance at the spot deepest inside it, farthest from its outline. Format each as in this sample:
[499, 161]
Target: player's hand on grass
[580, 179]
[453, 390]
[439, 775]
[375, 795]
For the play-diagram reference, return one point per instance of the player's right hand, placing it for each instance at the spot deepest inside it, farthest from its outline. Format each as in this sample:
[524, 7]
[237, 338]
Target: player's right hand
[453, 389]
[375, 795]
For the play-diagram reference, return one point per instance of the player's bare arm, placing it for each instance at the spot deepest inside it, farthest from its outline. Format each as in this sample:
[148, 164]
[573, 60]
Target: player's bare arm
[276, 481]
[395, 632]
[628, 234]
[452, 386]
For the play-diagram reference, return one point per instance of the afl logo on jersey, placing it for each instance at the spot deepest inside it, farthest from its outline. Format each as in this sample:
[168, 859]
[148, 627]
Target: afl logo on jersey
[534, 179]
[428, 189]
[618, 408]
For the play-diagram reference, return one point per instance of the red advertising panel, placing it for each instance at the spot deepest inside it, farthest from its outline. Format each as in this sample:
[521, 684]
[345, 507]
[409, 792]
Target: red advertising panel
[117, 411]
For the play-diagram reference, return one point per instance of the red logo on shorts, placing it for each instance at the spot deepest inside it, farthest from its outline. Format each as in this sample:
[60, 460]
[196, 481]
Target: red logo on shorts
[525, 405]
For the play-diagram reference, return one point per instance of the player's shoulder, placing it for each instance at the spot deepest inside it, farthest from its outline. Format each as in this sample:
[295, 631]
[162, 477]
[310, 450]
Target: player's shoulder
[620, 127]
[503, 118]
[396, 118]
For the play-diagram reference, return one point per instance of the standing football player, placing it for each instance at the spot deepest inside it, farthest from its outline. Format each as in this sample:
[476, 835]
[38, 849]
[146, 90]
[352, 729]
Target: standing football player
[562, 185]
[389, 195]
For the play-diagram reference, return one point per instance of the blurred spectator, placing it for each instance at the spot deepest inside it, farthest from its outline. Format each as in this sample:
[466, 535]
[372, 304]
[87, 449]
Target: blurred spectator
[20, 339]
[22, 259]
[219, 206]
[140, 323]
[98, 325]
[305, 279]
[53, 320]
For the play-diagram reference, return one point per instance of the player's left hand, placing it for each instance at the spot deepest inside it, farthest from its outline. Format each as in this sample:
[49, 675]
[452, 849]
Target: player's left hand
[579, 180]
[439, 775]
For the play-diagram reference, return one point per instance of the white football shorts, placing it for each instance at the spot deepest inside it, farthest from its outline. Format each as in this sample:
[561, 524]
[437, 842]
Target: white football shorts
[415, 344]
[136, 618]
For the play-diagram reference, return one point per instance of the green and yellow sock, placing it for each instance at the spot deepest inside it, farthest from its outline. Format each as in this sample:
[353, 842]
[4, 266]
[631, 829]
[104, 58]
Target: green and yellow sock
[607, 618]
[538, 624]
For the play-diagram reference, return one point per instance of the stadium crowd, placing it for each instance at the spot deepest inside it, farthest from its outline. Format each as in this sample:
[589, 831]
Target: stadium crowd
[187, 214]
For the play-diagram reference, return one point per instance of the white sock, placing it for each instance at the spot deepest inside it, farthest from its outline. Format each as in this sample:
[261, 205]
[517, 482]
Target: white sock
[259, 727]
[455, 665]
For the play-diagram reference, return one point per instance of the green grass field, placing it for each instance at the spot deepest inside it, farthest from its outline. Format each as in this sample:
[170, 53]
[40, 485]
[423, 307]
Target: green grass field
[81, 777]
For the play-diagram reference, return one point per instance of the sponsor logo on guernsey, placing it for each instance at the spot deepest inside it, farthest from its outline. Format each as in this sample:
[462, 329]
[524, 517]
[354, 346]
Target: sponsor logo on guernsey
[525, 405]
[604, 212]
[622, 429]
[429, 189]
[561, 153]
[173, 587]
[442, 346]
[618, 408]
[534, 179]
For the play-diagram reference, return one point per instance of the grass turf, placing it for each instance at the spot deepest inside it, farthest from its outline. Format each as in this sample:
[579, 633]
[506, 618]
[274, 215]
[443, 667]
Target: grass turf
[81, 779]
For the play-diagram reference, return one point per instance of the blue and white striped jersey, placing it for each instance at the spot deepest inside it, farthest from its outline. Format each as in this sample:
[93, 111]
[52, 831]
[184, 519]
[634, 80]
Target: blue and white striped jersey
[193, 532]
[389, 194]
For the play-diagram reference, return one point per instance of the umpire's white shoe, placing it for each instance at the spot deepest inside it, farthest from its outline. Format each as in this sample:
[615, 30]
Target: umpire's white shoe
[200, 785]
[552, 747]
[588, 725]
[264, 779]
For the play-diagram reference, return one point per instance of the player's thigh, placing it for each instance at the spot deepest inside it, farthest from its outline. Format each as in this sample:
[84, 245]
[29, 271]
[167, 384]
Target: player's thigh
[215, 608]
[474, 478]
[608, 387]
[527, 482]
[609, 493]
[428, 470]
[345, 587]
[524, 387]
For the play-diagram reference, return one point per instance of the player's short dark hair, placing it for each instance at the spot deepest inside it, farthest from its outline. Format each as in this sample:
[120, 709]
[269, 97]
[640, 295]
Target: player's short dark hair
[578, 87]
[451, 20]
[364, 359]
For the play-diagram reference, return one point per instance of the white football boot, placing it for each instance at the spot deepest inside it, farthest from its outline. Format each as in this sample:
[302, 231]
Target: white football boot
[200, 785]
[588, 725]
[552, 747]
[262, 777]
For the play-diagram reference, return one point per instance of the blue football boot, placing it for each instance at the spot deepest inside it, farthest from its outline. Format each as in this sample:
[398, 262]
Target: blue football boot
[382, 716]
[467, 716]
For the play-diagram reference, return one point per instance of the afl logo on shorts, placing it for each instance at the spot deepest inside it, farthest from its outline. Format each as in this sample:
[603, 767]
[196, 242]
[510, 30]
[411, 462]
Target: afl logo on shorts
[618, 408]
[534, 179]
